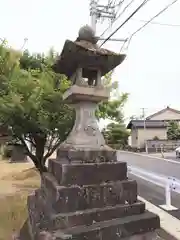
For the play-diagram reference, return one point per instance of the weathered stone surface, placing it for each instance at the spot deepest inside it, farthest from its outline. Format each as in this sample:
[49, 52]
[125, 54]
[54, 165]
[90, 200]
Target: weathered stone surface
[86, 155]
[114, 229]
[55, 207]
[89, 56]
[77, 93]
[109, 207]
[85, 133]
[145, 236]
[24, 233]
[90, 216]
[44, 235]
[84, 174]
[74, 198]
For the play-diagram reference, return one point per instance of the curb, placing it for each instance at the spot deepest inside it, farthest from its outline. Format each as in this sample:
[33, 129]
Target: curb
[170, 226]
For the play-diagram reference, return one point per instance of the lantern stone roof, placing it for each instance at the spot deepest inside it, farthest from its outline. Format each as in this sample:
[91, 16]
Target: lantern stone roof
[148, 124]
[85, 53]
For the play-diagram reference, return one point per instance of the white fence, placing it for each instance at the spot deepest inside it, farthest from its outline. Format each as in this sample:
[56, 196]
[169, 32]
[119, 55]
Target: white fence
[168, 183]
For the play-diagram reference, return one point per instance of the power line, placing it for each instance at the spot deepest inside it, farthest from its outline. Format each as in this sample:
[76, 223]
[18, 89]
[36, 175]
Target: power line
[137, 9]
[116, 5]
[139, 29]
[125, 8]
[158, 23]
[118, 16]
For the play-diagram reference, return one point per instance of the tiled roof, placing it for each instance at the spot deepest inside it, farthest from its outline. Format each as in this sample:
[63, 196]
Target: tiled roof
[162, 111]
[148, 124]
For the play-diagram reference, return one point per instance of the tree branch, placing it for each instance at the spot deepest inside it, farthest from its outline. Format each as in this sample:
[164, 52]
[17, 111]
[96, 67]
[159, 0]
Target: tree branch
[49, 153]
[33, 157]
[29, 140]
[51, 141]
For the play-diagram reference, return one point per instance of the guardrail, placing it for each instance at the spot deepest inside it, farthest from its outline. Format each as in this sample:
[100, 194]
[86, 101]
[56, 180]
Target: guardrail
[169, 183]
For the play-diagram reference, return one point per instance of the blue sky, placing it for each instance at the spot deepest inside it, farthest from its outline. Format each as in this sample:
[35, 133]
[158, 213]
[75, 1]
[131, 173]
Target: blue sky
[150, 72]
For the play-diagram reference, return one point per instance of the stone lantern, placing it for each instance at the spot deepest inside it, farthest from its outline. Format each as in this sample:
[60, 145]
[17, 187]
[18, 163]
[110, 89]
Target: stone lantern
[84, 63]
[86, 194]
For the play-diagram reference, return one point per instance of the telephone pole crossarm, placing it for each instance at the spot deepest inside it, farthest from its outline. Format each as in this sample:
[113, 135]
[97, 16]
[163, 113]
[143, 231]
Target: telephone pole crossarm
[115, 39]
[101, 11]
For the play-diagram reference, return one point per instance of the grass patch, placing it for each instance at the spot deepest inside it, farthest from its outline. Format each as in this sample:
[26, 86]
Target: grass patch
[22, 175]
[12, 168]
[13, 210]
[13, 213]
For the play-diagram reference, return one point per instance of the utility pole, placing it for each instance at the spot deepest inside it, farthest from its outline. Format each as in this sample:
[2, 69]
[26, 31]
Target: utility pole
[144, 118]
[93, 14]
[101, 12]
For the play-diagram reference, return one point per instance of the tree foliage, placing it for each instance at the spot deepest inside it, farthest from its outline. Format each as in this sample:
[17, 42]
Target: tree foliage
[116, 135]
[31, 102]
[112, 109]
[32, 106]
[173, 130]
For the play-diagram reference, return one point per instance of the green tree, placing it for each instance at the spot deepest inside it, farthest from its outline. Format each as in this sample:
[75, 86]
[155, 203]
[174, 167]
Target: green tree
[173, 130]
[116, 135]
[31, 103]
[28, 61]
[112, 109]
[32, 106]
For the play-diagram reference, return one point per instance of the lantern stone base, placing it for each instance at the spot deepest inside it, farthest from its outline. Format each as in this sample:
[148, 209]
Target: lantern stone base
[92, 201]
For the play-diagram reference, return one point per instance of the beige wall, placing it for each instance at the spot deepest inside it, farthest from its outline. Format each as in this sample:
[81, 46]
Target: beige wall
[167, 115]
[134, 135]
[146, 134]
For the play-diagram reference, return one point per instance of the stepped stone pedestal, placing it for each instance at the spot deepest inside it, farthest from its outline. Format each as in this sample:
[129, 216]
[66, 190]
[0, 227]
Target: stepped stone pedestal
[86, 194]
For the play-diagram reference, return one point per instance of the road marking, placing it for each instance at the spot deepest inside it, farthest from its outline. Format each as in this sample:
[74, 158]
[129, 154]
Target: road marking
[150, 156]
[169, 223]
[168, 208]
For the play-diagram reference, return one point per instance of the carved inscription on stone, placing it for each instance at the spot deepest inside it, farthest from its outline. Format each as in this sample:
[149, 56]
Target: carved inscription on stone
[85, 132]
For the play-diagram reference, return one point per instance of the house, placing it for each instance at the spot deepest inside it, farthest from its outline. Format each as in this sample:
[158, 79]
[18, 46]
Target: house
[167, 113]
[153, 127]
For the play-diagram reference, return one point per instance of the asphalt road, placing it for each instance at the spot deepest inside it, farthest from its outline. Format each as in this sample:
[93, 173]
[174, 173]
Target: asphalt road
[151, 164]
[150, 191]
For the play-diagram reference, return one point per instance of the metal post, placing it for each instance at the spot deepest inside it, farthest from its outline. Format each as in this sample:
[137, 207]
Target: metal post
[168, 194]
[162, 154]
[143, 115]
